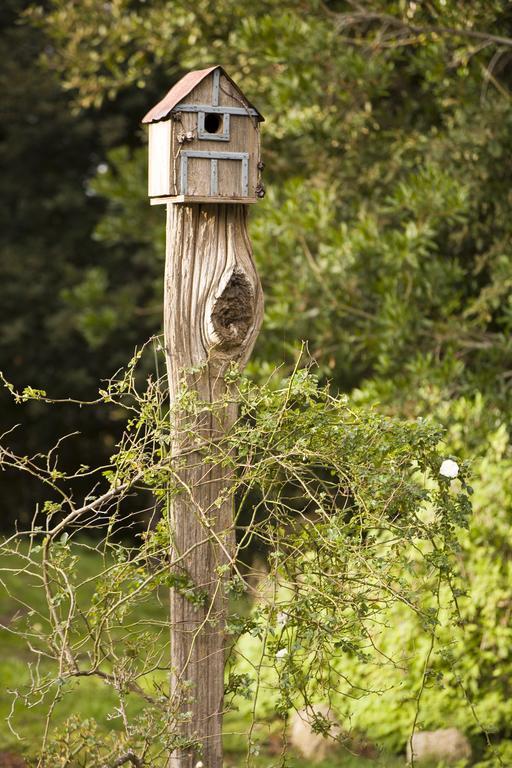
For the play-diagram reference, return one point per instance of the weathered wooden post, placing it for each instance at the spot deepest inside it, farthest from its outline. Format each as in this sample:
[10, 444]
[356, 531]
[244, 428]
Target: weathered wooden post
[204, 165]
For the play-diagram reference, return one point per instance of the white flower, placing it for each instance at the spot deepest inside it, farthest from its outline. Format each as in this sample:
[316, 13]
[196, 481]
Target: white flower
[449, 468]
[199, 764]
[282, 653]
[281, 619]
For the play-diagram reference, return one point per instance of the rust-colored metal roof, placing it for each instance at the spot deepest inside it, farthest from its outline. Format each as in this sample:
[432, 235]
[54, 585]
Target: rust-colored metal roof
[178, 92]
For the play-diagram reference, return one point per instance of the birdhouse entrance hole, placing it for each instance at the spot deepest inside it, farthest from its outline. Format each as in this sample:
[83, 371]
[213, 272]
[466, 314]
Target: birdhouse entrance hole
[212, 122]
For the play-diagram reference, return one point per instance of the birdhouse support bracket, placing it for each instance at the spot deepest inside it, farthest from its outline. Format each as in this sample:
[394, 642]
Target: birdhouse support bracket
[214, 157]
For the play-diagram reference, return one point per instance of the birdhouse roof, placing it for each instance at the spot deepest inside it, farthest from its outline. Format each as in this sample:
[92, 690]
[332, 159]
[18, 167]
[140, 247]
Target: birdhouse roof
[183, 87]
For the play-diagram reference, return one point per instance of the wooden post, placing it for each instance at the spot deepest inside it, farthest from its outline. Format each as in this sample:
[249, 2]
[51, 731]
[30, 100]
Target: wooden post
[212, 313]
[204, 165]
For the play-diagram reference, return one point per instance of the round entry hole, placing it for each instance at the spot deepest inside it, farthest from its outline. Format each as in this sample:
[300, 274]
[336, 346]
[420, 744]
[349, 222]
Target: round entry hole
[212, 122]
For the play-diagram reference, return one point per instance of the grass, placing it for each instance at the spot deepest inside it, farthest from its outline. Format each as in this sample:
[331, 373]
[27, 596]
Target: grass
[90, 698]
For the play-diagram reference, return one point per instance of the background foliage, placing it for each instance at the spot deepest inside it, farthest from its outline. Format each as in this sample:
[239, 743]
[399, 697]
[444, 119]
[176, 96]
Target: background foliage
[384, 238]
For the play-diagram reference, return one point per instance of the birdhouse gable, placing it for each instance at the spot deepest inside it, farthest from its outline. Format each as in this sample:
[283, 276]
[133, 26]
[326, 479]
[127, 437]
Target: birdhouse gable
[184, 87]
[204, 142]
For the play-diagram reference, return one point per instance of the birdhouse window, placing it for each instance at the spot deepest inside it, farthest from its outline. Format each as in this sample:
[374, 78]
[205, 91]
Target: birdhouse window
[213, 126]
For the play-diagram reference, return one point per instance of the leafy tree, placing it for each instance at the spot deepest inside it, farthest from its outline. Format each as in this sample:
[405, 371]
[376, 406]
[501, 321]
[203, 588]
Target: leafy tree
[386, 230]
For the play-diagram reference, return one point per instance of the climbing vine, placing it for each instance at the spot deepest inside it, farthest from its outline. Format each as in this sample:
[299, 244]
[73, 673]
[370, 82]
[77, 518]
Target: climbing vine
[352, 513]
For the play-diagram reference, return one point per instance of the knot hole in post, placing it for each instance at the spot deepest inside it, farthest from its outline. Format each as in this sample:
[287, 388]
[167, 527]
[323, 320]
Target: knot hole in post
[233, 312]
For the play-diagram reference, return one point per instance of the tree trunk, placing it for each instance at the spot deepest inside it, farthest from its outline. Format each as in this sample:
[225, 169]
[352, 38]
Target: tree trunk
[213, 309]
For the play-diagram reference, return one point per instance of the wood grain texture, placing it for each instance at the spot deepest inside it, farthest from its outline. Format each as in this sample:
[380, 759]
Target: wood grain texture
[213, 310]
[244, 137]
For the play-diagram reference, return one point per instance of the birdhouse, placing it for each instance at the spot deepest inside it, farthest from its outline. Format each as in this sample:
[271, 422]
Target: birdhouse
[204, 142]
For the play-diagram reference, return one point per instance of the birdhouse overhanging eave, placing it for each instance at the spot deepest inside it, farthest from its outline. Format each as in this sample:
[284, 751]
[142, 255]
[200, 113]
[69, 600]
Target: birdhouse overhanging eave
[183, 87]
